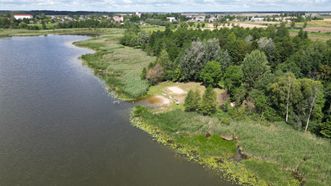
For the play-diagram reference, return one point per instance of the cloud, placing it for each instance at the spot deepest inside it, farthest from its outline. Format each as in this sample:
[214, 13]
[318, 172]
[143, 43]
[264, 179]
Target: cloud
[167, 5]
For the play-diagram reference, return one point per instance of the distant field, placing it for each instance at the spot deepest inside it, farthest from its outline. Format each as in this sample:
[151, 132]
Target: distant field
[315, 36]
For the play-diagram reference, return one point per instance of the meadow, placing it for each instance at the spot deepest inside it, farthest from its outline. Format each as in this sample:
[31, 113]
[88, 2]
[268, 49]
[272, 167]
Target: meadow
[119, 66]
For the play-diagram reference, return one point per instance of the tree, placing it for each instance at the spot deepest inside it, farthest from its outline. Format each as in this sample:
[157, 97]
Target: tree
[325, 129]
[255, 66]
[192, 101]
[195, 58]
[168, 66]
[224, 59]
[313, 101]
[233, 77]
[208, 103]
[260, 100]
[211, 74]
[268, 47]
[310, 60]
[285, 94]
[155, 74]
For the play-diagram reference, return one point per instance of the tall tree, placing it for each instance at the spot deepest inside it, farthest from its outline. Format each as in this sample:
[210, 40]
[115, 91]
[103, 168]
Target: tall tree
[211, 73]
[313, 100]
[195, 58]
[255, 66]
[233, 77]
[286, 93]
[192, 101]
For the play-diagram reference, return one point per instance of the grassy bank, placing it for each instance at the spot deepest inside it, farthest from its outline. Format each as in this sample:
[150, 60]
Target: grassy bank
[277, 154]
[119, 66]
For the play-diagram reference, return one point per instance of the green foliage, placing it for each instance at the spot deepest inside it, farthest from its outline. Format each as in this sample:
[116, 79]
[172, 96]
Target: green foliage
[311, 105]
[171, 69]
[260, 100]
[196, 57]
[286, 93]
[192, 101]
[211, 73]
[310, 60]
[208, 103]
[255, 67]
[143, 74]
[233, 77]
[325, 129]
[111, 62]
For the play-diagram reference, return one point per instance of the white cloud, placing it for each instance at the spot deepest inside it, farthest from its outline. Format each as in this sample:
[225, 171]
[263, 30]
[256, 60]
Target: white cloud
[164, 5]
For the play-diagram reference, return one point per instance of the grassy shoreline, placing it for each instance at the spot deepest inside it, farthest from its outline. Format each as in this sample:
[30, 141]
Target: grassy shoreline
[118, 66]
[273, 156]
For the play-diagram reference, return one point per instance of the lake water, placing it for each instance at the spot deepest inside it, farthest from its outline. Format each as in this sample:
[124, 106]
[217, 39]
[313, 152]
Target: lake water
[58, 125]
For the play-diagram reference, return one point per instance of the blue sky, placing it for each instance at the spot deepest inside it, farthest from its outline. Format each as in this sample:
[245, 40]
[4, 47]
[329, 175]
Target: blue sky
[168, 5]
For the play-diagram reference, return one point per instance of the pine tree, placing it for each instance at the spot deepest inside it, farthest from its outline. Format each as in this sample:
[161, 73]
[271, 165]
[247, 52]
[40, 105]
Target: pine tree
[208, 103]
[192, 101]
[189, 101]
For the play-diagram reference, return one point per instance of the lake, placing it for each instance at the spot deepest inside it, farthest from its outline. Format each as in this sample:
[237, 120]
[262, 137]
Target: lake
[59, 126]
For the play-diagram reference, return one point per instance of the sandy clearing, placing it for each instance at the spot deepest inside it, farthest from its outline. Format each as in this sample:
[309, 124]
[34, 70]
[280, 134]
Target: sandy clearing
[158, 101]
[176, 90]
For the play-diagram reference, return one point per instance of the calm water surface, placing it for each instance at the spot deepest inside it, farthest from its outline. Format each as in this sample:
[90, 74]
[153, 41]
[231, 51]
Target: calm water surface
[58, 126]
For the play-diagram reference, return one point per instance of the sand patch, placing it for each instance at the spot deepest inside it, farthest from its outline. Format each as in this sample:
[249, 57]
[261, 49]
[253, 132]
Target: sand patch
[176, 90]
[157, 101]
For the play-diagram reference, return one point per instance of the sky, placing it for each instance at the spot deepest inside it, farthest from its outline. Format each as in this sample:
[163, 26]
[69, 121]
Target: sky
[168, 5]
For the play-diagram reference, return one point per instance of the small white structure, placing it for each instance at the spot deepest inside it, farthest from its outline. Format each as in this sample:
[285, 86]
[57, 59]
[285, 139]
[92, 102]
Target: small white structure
[138, 14]
[118, 19]
[212, 19]
[23, 16]
[200, 18]
[171, 19]
[257, 19]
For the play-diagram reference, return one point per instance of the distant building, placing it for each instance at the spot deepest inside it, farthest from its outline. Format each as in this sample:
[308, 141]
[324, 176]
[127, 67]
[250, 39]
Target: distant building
[138, 14]
[171, 19]
[118, 19]
[200, 18]
[23, 16]
[212, 19]
[257, 19]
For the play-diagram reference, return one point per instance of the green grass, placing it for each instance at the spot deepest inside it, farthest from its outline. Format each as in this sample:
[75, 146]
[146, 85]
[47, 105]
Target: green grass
[278, 154]
[119, 66]
[314, 36]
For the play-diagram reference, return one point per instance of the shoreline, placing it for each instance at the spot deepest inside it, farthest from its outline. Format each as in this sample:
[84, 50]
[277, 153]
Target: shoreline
[222, 167]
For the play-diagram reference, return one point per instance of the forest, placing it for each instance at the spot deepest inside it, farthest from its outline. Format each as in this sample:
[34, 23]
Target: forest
[265, 71]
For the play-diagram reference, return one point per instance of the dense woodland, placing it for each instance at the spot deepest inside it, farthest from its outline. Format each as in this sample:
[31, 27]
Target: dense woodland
[265, 71]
